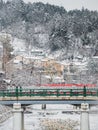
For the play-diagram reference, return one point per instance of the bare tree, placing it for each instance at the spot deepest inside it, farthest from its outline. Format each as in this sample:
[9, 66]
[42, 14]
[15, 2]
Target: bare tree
[7, 49]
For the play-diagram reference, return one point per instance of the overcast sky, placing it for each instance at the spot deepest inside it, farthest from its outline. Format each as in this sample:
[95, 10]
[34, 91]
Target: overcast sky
[71, 4]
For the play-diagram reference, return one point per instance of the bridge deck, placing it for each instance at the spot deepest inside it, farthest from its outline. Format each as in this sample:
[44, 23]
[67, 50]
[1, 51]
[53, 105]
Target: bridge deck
[48, 98]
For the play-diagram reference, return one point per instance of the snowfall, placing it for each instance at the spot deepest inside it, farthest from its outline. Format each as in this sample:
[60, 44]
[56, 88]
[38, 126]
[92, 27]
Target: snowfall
[54, 115]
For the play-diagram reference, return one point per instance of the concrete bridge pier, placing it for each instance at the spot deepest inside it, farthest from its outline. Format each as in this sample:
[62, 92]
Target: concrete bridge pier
[18, 117]
[84, 122]
[43, 106]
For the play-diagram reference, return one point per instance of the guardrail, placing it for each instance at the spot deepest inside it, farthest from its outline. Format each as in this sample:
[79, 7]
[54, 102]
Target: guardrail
[20, 92]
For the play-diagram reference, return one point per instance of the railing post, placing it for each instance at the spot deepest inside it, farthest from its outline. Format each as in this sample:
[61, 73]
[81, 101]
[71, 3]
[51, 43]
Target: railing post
[17, 93]
[57, 92]
[8, 93]
[84, 91]
[20, 91]
[97, 92]
[71, 93]
[3, 93]
[30, 92]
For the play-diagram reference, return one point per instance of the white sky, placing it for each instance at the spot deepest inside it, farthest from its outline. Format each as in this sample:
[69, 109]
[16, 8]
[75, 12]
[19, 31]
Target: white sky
[71, 4]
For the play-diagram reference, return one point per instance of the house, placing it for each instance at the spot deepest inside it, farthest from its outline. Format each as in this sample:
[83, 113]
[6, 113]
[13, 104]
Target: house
[14, 65]
[51, 65]
[37, 53]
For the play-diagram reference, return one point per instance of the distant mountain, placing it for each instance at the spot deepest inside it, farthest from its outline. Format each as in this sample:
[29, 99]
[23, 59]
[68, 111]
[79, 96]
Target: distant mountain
[73, 34]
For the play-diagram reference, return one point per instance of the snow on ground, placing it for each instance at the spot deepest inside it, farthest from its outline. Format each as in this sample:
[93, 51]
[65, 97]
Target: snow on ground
[94, 121]
[52, 113]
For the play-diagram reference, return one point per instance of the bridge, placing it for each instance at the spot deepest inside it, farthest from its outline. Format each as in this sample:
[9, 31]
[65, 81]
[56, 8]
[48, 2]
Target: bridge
[49, 96]
[84, 96]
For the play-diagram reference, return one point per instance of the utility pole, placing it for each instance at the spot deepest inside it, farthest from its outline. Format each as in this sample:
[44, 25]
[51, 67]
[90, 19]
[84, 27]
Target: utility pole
[68, 73]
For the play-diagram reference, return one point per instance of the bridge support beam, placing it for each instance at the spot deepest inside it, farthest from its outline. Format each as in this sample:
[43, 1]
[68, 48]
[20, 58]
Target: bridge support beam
[43, 106]
[84, 124]
[18, 117]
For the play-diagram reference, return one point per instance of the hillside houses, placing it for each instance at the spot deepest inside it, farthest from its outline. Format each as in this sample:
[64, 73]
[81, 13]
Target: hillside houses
[46, 67]
[37, 66]
[53, 66]
[21, 62]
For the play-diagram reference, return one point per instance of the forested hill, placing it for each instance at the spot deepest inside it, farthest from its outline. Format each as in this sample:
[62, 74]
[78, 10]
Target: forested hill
[51, 27]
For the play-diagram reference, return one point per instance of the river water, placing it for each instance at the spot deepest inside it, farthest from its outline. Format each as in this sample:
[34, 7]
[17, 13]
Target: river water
[33, 120]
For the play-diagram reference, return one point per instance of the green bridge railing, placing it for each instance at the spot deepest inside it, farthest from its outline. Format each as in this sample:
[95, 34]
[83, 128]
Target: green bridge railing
[20, 92]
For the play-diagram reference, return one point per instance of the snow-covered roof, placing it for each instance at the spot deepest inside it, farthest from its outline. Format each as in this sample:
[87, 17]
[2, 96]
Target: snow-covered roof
[7, 80]
[1, 46]
[16, 61]
[95, 57]
[36, 50]
[2, 72]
